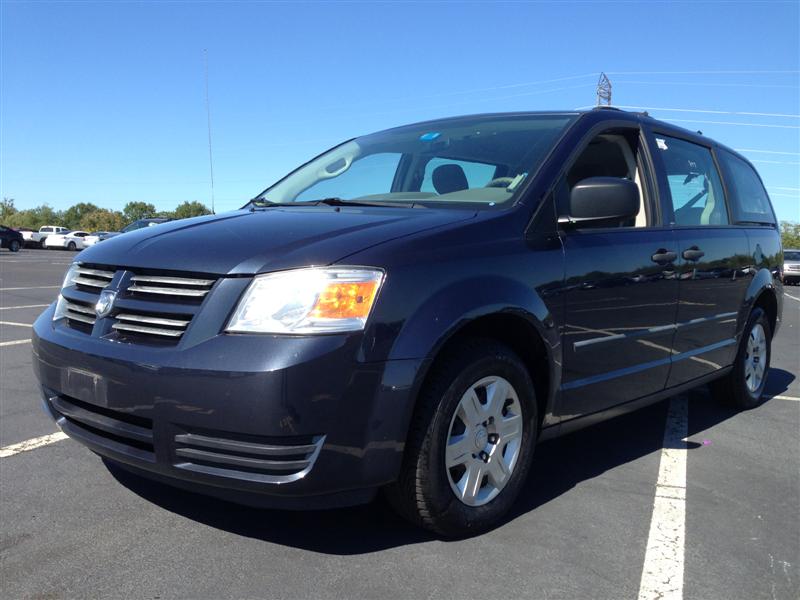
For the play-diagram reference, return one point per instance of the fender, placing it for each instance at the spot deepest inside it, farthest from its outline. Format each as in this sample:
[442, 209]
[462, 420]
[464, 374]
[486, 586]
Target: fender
[461, 303]
[761, 283]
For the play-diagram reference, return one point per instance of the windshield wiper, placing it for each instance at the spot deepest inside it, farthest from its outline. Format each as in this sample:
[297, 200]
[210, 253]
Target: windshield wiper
[336, 201]
[333, 201]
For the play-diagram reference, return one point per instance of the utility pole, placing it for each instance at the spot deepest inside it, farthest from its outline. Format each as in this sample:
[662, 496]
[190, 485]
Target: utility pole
[208, 120]
[603, 90]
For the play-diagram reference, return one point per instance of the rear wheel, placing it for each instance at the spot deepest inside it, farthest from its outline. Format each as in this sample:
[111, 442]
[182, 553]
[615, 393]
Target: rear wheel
[72, 246]
[14, 246]
[744, 385]
[471, 442]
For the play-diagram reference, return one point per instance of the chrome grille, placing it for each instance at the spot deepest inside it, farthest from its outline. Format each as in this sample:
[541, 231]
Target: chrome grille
[151, 325]
[170, 286]
[83, 313]
[273, 461]
[93, 278]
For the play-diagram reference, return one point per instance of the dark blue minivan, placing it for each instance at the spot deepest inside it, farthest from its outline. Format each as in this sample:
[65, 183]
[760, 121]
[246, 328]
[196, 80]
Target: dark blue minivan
[413, 310]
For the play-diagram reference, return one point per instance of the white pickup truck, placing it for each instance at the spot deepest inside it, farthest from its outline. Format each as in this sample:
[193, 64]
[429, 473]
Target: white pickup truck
[38, 237]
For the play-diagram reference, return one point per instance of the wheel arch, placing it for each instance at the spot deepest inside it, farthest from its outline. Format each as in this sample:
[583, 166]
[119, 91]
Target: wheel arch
[763, 294]
[497, 308]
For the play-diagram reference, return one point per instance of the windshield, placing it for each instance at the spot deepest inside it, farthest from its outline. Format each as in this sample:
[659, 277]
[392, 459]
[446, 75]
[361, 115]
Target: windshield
[481, 160]
[791, 255]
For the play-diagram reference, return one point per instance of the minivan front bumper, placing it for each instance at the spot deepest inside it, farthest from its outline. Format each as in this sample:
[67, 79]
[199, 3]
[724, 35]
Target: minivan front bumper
[290, 422]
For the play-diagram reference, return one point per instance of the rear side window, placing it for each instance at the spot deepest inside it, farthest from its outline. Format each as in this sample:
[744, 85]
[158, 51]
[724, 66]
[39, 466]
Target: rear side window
[694, 184]
[749, 199]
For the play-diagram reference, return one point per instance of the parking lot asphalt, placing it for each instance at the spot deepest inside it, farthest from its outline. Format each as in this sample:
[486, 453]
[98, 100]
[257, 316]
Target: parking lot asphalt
[72, 526]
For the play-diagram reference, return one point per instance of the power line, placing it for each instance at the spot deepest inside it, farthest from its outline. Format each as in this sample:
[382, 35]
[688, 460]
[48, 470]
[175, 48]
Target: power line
[734, 123]
[774, 162]
[767, 151]
[712, 84]
[755, 72]
[715, 112]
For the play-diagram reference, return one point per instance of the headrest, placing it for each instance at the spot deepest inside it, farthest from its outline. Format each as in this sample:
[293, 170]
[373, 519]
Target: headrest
[449, 178]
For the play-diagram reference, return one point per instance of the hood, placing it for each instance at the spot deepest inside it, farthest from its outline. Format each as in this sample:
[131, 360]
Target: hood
[270, 239]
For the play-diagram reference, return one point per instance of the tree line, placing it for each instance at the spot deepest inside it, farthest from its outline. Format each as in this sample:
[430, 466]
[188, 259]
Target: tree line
[89, 217]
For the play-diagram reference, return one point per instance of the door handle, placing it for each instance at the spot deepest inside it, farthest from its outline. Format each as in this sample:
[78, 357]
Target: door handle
[693, 253]
[663, 256]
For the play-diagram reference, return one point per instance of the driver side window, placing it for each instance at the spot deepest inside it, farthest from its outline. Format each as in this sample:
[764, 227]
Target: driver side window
[610, 154]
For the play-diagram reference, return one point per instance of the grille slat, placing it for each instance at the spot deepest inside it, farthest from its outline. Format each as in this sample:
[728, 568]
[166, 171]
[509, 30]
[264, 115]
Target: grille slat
[96, 273]
[80, 312]
[95, 283]
[173, 280]
[242, 461]
[154, 320]
[164, 291]
[173, 333]
[202, 441]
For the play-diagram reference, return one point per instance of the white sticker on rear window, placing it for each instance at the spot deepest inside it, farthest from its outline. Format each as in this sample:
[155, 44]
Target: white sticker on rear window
[662, 144]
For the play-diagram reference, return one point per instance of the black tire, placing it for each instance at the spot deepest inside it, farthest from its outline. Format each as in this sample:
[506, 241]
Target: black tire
[733, 389]
[422, 493]
[72, 246]
[14, 245]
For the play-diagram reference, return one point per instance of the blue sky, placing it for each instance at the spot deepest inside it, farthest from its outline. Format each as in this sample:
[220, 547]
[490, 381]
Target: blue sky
[104, 102]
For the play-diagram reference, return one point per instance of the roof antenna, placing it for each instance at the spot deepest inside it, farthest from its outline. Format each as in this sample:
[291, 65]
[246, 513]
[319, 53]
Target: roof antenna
[208, 120]
[603, 90]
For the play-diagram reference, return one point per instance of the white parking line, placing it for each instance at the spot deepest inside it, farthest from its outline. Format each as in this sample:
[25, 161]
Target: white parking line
[23, 306]
[14, 343]
[791, 398]
[15, 324]
[36, 287]
[792, 297]
[32, 444]
[662, 574]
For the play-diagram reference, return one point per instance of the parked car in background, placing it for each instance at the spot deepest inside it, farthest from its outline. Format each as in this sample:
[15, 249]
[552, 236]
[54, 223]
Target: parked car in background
[415, 309]
[139, 224]
[38, 237]
[70, 240]
[142, 223]
[791, 266]
[11, 239]
[98, 236]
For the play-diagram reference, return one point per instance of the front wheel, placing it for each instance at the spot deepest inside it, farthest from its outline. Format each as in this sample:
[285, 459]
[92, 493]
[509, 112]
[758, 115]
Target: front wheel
[14, 246]
[471, 442]
[744, 385]
[72, 246]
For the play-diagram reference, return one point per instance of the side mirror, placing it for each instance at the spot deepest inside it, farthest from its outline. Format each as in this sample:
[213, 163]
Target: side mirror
[602, 199]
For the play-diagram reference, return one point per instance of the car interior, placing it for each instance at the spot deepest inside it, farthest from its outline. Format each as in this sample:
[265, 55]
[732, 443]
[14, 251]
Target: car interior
[609, 154]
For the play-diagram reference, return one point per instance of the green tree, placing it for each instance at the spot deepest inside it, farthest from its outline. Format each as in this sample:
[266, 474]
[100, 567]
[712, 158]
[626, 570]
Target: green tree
[6, 209]
[190, 209]
[790, 234]
[34, 218]
[134, 211]
[103, 220]
[75, 213]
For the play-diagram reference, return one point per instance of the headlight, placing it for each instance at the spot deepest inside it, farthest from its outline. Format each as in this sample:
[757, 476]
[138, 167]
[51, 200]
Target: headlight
[308, 301]
[71, 273]
[61, 305]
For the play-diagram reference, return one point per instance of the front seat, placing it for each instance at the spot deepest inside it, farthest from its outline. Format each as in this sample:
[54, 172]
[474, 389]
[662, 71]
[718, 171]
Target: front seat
[449, 178]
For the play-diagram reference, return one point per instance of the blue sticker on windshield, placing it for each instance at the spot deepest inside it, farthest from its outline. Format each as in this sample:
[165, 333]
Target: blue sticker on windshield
[429, 137]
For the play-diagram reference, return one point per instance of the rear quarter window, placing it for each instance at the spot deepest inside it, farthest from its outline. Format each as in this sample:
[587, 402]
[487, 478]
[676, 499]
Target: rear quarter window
[748, 198]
